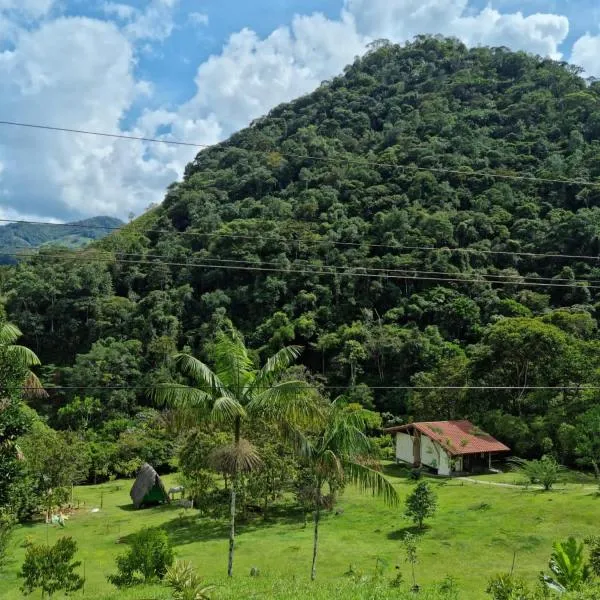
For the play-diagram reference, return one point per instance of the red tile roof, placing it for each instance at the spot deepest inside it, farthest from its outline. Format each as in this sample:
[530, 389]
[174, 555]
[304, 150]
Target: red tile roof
[457, 437]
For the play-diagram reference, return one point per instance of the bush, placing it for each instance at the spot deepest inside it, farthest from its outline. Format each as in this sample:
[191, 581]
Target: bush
[50, 569]
[545, 471]
[416, 474]
[593, 544]
[147, 560]
[186, 583]
[6, 526]
[507, 587]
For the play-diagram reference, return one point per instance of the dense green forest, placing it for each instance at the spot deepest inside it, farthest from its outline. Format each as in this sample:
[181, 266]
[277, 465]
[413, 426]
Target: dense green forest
[19, 237]
[387, 224]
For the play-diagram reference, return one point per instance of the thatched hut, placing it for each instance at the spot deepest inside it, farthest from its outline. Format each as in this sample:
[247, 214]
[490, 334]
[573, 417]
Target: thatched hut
[148, 488]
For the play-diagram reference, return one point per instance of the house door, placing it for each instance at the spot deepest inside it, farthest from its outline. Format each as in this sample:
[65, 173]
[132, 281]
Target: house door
[417, 449]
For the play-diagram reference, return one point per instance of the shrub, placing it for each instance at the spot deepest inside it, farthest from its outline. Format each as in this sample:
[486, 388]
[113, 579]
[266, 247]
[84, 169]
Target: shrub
[593, 544]
[6, 525]
[545, 471]
[416, 474]
[50, 568]
[147, 560]
[507, 587]
[421, 504]
[568, 566]
[186, 583]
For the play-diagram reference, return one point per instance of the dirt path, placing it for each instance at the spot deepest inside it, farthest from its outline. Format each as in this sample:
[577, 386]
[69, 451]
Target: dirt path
[518, 487]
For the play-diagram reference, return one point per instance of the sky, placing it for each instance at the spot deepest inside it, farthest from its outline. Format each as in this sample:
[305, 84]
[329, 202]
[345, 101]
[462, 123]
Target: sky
[198, 70]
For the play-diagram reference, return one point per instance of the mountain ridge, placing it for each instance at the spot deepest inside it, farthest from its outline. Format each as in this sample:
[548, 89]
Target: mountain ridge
[22, 236]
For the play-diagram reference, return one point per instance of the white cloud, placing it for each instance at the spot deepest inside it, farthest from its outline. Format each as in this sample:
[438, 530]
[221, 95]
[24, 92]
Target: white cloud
[30, 8]
[198, 18]
[586, 53]
[124, 12]
[154, 23]
[71, 175]
[400, 20]
[62, 174]
[251, 74]
[539, 33]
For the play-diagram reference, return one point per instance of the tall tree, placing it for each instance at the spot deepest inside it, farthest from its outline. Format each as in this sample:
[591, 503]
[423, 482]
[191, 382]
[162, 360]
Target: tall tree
[336, 452]
[233, 392]
[9, 334]
[588, 439]
[15, 374]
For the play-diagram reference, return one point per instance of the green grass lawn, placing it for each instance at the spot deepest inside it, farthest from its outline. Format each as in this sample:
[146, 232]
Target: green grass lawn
[474, 534]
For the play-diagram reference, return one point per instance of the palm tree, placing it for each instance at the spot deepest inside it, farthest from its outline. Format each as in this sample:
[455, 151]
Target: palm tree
[569, 568]
[337, 452]
[9, 334]
[234, 392]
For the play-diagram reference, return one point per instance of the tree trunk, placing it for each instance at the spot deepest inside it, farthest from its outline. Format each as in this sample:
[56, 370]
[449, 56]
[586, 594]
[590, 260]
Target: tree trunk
[596, 472]
[231, 528]
[313, 573]
[234, 485]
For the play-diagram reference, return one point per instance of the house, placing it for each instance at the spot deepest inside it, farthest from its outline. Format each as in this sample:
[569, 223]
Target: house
[446, 446]
[148, 488]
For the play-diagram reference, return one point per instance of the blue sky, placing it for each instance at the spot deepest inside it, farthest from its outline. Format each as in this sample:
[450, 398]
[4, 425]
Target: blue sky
[197, 70]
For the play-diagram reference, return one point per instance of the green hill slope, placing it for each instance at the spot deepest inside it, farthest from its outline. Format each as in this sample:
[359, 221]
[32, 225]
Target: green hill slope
[17, 237]
[347, 222]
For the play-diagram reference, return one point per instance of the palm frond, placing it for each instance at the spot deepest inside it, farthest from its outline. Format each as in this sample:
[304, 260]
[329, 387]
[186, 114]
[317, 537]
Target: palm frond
[288, 401]
[368, 479]
[180, 396]
[33, 387]
[200, 373]
[329, 466]
[25, 355]
[345, 433]
[242, 457]
[9, 333]
[226, 409]
[275, 366]
[300, 442]
[233, 364]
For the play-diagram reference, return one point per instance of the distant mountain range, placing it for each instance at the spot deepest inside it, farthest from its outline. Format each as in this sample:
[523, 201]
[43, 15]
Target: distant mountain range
[20, 237]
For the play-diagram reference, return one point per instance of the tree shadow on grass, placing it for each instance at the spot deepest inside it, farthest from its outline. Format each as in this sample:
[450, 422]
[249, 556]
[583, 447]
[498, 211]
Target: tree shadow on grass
[150, 507]
[400, 534]
[398, 471]
[191, 528]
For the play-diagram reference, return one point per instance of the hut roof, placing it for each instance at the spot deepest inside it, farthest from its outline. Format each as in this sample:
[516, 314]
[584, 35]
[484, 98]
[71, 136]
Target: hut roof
[457, 437]
[147, 478]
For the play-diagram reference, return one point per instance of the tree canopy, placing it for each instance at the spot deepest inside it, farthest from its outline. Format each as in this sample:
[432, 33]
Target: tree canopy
[390, 224]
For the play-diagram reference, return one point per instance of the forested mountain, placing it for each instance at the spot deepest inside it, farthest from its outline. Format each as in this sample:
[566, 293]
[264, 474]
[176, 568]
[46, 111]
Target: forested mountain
[18, 237]
[387, 223]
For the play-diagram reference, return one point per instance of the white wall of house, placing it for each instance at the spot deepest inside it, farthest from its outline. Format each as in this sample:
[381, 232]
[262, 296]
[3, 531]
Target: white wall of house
[432, 454]
[404, 448]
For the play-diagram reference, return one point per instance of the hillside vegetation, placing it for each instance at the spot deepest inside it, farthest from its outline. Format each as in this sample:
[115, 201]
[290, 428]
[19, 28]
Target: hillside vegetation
[351, 222]
[20, 237]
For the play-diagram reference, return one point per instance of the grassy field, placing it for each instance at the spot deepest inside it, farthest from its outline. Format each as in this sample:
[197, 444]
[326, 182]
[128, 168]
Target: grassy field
[476, 531]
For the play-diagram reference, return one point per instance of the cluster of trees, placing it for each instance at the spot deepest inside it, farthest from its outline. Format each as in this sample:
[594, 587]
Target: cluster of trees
[388, 250]
[436, 281]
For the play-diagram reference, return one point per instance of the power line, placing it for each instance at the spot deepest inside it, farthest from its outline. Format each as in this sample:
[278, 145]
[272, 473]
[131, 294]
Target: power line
[497, 277]
[346, 161]
[104, 134]
[109, 260]
[570, 387]
[397, 246]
